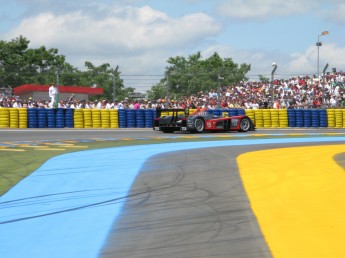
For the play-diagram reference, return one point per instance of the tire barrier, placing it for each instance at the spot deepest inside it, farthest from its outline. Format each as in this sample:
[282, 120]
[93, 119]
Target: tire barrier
[87, 118]
[338, 115]
[283, 118]
[114, 118]
[266, 115]
[291, 117]
[299, 118]
[315, 118]
[149, 116]
[144, 118]
[69, 120]
[122, 118]
[42, 120]
[78, 118]
[105, 118]
[32, 118]
[4, 117]
[323, 118]
[259, 119]
[14, 118]
[96, 118]
[23, 117]
[330, 118]
[140, 118]
[60, 118]
[250, 113]
[51, 118]
[274, 118]
[307, 118]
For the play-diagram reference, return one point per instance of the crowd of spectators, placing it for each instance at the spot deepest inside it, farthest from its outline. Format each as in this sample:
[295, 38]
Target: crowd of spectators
[296, 92]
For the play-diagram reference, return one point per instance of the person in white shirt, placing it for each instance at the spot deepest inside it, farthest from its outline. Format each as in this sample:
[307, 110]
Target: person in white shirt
[53, 92]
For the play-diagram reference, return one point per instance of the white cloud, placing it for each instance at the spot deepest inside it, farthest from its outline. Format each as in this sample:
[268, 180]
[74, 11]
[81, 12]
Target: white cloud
[263, 9]
[123, 30]
[336, 14]
[288, 65]
[124, 36]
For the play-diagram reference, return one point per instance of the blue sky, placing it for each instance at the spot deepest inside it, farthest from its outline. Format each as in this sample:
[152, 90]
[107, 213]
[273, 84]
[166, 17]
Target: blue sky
[140, 36]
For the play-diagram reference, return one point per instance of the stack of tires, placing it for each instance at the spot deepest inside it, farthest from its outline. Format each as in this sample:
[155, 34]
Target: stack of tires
[42, 118]
[338, 114]
[69, 121]
[60, 118]
[250, 114]
[122, 118]
[240, 112]
[23, 117]
[51, 118]
[140, 118]
[283, 118]
[130, 116]
[149, 117]
[274, 118]
[323, 118]
[315, 118]
[96, 118]
[259, 119]
[4, 117]
[291, 117]
[87, 118]
[114, 118]
[330, 117]
[307, 118]
[32, 118]
[78, 118]
[14, 118]
[232, 112]
[105, 118]
[266, 114]
[299, 118]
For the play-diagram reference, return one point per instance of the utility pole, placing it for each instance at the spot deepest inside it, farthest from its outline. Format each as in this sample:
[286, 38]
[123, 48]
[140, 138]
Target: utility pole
[56, 104]
[168, 88]
[275, 66]
[114, 83]
[323, 85]
[219, 90]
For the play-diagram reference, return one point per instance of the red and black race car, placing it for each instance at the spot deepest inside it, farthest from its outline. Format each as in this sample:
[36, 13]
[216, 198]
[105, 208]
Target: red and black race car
[173, 120]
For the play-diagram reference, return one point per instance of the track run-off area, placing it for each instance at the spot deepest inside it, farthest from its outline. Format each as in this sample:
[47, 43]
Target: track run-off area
[277, 197]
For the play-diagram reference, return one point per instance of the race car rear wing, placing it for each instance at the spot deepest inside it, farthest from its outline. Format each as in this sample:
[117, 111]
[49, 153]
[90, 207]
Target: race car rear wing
[173, 112]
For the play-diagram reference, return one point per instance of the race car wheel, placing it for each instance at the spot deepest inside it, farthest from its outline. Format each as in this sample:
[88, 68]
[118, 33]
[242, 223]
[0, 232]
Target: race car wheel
[244, 125]
[199, 125]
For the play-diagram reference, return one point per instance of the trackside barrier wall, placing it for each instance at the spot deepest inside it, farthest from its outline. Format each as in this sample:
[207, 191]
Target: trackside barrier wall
[144, 118]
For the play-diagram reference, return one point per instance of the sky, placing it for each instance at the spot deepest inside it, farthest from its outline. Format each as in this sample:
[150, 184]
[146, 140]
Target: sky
[140, 36]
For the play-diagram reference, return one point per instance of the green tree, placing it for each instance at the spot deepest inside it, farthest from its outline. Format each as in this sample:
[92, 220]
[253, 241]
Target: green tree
[157, 91]
[264, 79]
[21, 65]
[187, 76]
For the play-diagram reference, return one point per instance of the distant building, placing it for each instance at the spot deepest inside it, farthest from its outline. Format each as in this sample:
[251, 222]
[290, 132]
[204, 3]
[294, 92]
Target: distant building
[65, 92]
[136, 95]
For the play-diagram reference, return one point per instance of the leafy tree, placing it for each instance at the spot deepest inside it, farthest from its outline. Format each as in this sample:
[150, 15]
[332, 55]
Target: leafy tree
[157, 91]
[21, 65]
[187, 76]
[264, 79]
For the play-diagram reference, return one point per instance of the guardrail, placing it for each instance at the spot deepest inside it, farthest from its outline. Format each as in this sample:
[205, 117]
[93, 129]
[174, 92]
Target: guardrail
[143, 118]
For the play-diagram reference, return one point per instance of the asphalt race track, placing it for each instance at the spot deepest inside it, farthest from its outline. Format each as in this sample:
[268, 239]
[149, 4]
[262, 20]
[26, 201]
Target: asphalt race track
[181, 203]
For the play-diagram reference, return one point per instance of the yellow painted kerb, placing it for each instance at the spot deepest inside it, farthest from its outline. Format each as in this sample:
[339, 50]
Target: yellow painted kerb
[298, 197]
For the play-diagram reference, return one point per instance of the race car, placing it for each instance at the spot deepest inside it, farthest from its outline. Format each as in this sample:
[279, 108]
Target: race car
[173, 120]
